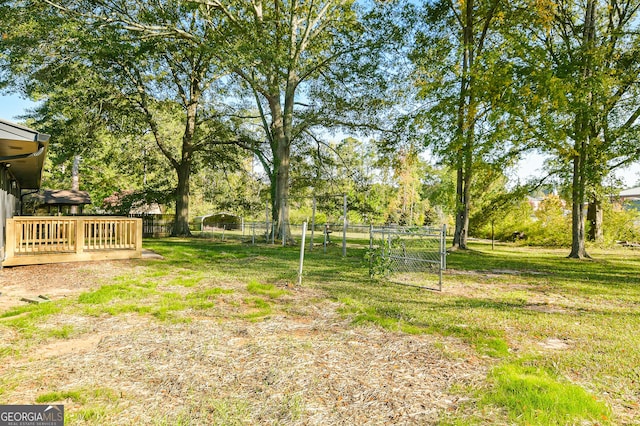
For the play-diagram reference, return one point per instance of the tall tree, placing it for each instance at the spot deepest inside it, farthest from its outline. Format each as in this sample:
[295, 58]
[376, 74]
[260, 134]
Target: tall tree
[150, 77]
[460, 75]
[583, 65]
[276, 54]
[289, 57]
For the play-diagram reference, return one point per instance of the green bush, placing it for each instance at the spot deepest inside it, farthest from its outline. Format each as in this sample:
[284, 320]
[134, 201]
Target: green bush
[222, 220]
[552, 226]
[516, 220]
[549, 225]
[620, 225]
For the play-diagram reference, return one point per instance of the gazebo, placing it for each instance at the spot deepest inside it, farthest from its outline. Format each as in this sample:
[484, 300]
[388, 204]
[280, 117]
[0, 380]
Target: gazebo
[63, 200]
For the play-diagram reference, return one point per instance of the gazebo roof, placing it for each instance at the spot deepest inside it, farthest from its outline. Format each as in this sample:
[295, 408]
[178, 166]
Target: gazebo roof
[23, 150]
[65, 197]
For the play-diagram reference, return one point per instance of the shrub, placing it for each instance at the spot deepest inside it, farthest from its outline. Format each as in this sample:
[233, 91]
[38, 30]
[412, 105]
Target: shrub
[620, 225]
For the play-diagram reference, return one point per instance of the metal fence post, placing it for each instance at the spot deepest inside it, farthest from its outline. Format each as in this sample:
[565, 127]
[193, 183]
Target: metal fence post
[344, 228]
[313, 223]
[371, 250]
[302, 244]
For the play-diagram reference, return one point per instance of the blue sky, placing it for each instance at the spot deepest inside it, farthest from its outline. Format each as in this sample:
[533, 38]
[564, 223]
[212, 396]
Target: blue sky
[12, 106]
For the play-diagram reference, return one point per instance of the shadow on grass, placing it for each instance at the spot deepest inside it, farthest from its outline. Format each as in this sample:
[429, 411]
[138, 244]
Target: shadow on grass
[600, 275]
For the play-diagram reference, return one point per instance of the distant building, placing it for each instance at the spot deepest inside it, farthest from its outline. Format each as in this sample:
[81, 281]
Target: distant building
[534, 202]
[630, 198]
[632, 194]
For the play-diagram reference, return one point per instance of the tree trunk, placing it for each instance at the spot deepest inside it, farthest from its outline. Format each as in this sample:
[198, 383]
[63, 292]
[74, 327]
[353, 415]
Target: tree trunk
[281, 205]
[578, 250]
[281, 159]
[75, 180]
[181, 221]
[459, 231]
[463, 205]
[594, 216]
[183, 168]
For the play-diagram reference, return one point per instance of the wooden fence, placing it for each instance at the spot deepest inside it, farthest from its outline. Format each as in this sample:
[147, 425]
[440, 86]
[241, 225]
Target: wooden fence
[45, 239]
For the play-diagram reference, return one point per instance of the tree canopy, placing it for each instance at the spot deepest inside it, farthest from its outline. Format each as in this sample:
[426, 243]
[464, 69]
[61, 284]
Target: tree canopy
[287, 100]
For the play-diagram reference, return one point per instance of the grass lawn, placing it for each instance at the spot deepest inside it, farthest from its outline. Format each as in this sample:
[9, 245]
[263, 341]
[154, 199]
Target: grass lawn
[217, 333]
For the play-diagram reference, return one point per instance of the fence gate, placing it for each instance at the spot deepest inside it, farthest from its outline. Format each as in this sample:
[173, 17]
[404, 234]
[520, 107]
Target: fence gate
[409, 255]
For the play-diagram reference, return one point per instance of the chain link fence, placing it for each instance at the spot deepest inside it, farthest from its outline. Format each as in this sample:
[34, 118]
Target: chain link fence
[318, 237]
[406, 255]
[415, 256]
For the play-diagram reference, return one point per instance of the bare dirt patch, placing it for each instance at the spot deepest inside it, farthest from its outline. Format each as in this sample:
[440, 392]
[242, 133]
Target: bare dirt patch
[80, 345]
[553, 343]
[308, 367]
[55, 281]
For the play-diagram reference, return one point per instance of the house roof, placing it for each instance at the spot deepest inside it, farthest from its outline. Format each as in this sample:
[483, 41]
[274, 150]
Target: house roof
[23, 150]
[68, 197]
[630, 193]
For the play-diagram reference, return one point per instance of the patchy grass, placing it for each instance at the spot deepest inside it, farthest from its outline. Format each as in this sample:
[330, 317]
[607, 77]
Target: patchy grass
[269, 290]
[558, 336]
[258, 308]
[126, 289]
[61, 396]
[533, 396]
[92, 405]
[214, 412]
[26, 320]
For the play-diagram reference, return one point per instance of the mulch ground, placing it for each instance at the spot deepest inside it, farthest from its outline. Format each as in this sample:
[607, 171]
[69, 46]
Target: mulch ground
[307, 366]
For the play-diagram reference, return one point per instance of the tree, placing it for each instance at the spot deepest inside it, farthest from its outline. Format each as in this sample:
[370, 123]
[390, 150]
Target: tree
[289, 58]
[583, 67]
[406, 208]
[272, 53]
[461, 78]
[151, 78]
[326, 172]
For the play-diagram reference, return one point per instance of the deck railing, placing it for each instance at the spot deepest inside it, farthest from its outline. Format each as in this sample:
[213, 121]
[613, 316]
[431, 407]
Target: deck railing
[44, 239]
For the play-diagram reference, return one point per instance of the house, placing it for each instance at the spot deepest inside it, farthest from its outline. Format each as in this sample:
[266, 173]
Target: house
[27, 240]
[22, 155]
[629, 198]
[632, 194]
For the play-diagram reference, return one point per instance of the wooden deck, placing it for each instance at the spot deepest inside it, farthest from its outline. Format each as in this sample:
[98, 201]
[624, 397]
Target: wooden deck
[44, 239]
